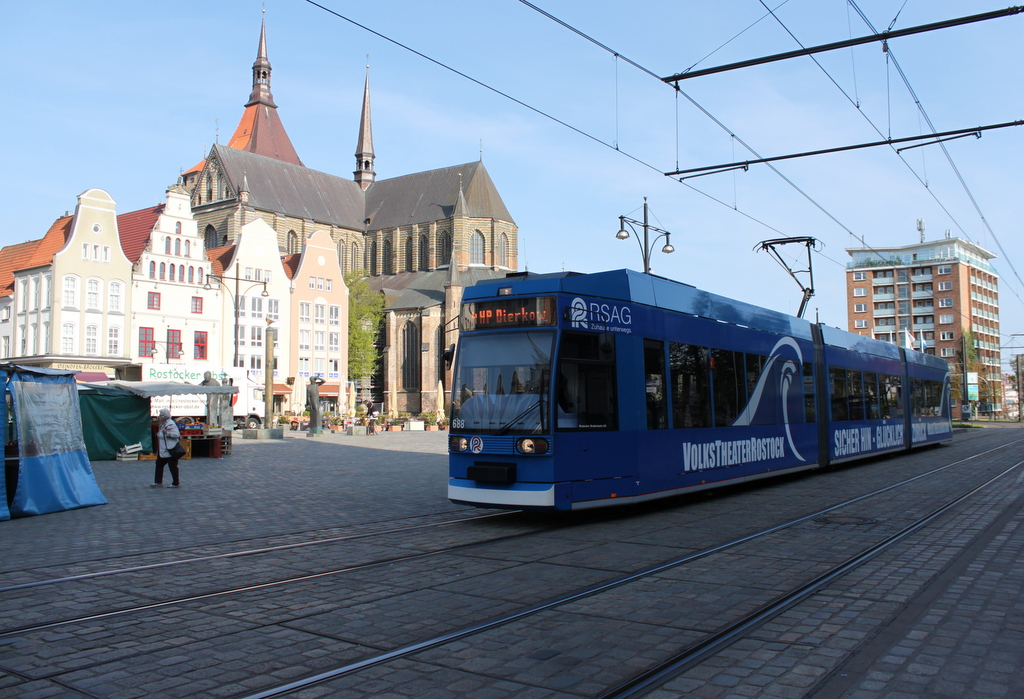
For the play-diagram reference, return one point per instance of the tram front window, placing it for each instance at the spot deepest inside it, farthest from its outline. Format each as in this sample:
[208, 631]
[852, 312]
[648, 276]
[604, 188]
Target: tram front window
[502, 383]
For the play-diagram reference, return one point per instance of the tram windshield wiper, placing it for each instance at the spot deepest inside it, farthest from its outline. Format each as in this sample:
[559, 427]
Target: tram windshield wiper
[504, 429]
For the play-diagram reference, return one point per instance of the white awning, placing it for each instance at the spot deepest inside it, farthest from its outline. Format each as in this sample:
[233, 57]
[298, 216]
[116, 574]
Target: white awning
[148, 389]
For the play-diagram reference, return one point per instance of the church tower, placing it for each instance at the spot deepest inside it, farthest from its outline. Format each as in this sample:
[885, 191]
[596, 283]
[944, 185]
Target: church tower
[364, 174]
[260, 130]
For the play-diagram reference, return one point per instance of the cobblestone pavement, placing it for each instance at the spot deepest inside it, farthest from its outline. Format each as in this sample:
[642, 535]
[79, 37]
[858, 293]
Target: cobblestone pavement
[343, 545]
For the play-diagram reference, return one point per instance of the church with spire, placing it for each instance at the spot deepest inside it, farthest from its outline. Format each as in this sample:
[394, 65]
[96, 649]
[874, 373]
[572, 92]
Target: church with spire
[421, 237]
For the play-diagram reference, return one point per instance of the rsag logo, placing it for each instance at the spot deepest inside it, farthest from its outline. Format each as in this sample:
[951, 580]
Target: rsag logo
[599, 316]
[578, 313]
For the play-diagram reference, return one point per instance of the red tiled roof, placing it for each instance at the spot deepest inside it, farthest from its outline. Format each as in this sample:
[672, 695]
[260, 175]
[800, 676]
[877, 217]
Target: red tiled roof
[260, 131]
[291, 264]
[134, 229]
[33, 253]
[221, 259]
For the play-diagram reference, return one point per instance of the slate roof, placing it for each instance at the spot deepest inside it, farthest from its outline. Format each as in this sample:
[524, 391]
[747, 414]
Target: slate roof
[409, 290]
[298, 191]
[422, 197]
[429, 196]
[134, 229]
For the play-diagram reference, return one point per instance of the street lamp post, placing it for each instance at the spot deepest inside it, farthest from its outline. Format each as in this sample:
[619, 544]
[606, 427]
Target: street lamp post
[234, 298]
[646, 246]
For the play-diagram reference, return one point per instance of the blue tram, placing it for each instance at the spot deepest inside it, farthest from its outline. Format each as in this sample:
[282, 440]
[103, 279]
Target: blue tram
[586, 390]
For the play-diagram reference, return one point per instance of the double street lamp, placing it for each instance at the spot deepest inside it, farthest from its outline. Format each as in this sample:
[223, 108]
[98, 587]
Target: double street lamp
[235, 297]
[646, 245]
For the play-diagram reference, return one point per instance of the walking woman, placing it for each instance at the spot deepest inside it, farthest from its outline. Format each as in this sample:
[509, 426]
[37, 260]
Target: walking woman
[167, 438]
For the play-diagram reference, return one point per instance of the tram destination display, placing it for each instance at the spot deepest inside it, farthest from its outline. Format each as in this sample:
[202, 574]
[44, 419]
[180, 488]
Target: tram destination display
[509, 313]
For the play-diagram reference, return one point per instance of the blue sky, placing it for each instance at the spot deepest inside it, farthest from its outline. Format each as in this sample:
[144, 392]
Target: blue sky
[123, 95]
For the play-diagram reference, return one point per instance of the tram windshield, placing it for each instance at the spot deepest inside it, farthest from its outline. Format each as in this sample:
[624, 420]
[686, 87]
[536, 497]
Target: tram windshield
[502, 383]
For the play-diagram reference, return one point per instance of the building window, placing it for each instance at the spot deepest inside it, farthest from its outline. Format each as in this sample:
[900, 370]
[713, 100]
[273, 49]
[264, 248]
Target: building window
[319, 338]
[503, 250]
[476, 248]
[860, 291]
[947, 335]
[92, 335]
[410, 255]
[210, 237]
[256, 306]
[177, 247]
[945, 303]
[946, 319]
[167, 246]
[859, 276]
[355, 258]
[256, 333]
[152, 270]
[945, 286]
[424, 253]
[335, 315]
[320, 313]
[153, 300]
[273, 309]
[114, 299]
[304, 339]
[113, 341]
[188, 247]
[303, 366]
[410, 356]
[329, 284]
[863, 323]
[256, 362]
[163, 270]
[945, 269]
[147, 347]
[85, 251]
[292, 242]
[199, 345]
[446, 248]
[71, 292]
[67, 339]
[947, 352]
[92, 294]
[320, 283]
[197, 304]
[174, 350]
[388, 261]
[304, 310]
[860, 308]
[335, 339]
[312, 282]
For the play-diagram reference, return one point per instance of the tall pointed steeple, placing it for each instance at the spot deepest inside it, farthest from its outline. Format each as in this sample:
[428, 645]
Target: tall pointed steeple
[261, 73]
[260, 130]
[364, 174]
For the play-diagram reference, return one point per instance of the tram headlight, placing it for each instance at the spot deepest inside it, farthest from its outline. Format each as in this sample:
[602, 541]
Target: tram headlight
[458, 444]
[532, 445]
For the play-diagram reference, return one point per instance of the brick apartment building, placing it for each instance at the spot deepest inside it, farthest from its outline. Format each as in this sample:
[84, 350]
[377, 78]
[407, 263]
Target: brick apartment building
[928, 294]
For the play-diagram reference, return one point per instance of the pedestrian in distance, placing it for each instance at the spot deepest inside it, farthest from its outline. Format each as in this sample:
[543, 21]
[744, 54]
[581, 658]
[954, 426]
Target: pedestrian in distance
[371, 418]
[168, 449]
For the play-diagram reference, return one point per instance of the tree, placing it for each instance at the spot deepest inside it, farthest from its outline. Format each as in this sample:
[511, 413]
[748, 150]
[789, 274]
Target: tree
[365, 318]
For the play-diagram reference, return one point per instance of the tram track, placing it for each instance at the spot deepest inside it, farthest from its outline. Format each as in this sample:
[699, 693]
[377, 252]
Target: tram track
[524, 614]
[695, 652]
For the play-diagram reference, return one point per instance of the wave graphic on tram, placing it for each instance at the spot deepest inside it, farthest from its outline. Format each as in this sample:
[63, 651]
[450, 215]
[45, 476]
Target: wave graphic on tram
[575, 391]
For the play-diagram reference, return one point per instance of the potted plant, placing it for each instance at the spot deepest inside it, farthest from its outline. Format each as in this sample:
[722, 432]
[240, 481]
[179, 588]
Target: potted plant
[429, 421]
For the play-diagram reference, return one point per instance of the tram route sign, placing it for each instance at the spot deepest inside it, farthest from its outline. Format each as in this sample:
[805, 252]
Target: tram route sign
[508, 313]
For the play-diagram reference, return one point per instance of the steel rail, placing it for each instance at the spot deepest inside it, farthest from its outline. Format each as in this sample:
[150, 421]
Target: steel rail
[502, 620]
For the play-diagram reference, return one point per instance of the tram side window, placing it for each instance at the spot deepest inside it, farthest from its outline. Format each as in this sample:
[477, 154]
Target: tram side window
[890, 398]
[837, 393]
[691, 395]
[586, 382]
[654, 387]
[809, 414]
[727, 385]
[766, 409]
[933, 390]
[855, 393]
[919, 398]
[871, 395]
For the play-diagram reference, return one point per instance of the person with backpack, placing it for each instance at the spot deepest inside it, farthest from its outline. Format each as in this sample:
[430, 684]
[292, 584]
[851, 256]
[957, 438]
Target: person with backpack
[168, 450]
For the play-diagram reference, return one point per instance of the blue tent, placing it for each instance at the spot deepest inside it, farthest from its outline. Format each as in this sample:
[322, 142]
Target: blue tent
[53, 470]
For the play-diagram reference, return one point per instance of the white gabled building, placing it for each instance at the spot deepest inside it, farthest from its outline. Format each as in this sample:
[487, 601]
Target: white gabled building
[175, 320]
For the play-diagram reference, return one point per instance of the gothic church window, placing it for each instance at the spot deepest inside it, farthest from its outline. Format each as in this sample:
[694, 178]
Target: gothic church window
[292, 245]
[446, 248]
[476, 248]
[503, 251]
[388, 262]
[373, 259]
[410, 356]
[210, 237]
[410, 255]
[424, 253]
[355, 257]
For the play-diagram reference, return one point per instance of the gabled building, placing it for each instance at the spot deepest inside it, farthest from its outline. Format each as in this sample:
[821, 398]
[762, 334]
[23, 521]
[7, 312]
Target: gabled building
[402, 231]
[67, 298]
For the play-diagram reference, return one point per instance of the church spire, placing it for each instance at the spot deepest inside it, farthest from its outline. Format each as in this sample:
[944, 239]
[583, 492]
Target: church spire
[364, 174]
[261, 73]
